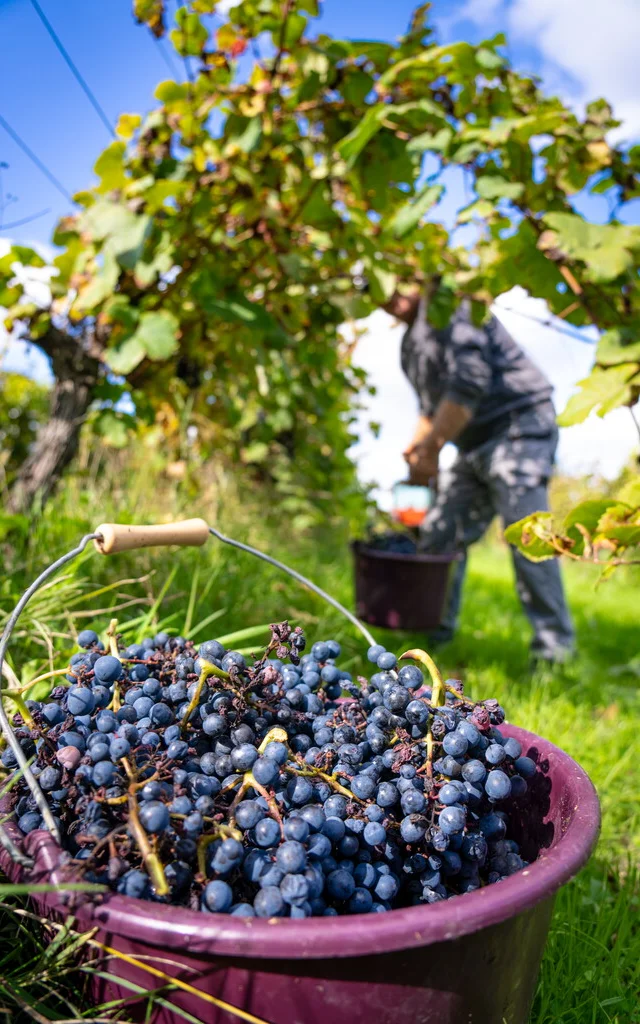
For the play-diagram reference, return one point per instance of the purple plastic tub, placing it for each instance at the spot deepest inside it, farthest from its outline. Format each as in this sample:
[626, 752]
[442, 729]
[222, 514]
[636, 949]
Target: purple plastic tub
[398, 591]
[470, 960]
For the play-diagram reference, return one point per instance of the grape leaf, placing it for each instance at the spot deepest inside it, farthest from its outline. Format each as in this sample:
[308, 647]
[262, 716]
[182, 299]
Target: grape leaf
[295, 26]
[157, 334]
[249, 138]
[618, 345]
[532, 536]
[352, 145]
[436, 142]
[171, 92]
[24, 255]
[481, 208]
[432, 55]
[151, 12]
[488, 59]
[382, 282]
[160, 262]
[494, 186]
[588, 514]
[602, 391]
[110, 167]
[603, 185]
[113, 427]
[122, 231]
[620, 523]
[607, 249]
[255, 453]
[119, 310]
[127, 124]
[9, 295]
[126, 356]
[630, 493]
[190, 37]
[236, 308]
[99, 287]
[356, 86]
[408, 216]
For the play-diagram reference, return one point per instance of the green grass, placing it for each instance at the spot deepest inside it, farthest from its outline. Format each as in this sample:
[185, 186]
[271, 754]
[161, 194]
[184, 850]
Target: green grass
[590, 708]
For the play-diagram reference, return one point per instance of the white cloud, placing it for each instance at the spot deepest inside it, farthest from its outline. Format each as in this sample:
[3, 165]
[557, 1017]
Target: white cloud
[480, 11]
[595, 45]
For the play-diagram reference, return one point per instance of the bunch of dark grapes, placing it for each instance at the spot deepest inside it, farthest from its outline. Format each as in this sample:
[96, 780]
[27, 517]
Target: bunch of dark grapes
[394, 541]
[276, 788]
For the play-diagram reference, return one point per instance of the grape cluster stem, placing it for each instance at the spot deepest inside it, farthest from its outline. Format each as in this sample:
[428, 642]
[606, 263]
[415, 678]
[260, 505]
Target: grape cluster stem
[152, 862]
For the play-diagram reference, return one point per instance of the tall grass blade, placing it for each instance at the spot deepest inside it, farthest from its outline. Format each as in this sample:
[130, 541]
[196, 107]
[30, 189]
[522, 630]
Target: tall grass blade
[205, 622]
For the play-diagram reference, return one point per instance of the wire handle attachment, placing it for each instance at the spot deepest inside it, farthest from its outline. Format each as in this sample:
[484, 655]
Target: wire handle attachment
[113, 537]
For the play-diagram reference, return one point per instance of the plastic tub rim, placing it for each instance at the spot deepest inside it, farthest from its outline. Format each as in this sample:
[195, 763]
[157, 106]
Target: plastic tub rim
[359, 935]
[421, 558]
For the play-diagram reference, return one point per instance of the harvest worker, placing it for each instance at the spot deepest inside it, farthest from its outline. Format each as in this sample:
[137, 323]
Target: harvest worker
[478, 389]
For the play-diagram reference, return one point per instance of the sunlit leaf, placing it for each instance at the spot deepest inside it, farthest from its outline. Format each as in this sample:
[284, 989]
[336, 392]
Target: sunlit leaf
[190, 37]
[382, 282]
[171, 92]
[488, 59]
[256, 452]
[250, 137]
[123, 232]
[588, 514]
[152, 13]
[481, 208]
[113, 428]
[532, 536]
[356, 86]
[629, 493]
[23, 254]
[619, 345]
[126, 356]
[352, 145]
[157, 334]
[99, 287]
[436, 142]
[127, 125]
[110, 167]
[602, 391]
[493, 186]
[607, 249]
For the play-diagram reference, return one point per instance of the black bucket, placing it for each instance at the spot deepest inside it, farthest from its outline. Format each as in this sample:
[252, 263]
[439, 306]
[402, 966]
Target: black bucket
[399, 591]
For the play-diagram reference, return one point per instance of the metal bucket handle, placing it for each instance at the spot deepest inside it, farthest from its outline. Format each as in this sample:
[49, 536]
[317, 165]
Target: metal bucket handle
[110, 538]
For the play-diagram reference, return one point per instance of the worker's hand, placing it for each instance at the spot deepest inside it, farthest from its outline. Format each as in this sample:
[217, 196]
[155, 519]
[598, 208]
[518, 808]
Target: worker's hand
[422, 460]
[403, 307]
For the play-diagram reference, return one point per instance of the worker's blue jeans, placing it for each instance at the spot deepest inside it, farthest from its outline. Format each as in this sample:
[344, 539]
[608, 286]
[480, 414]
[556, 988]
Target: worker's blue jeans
[506, 476]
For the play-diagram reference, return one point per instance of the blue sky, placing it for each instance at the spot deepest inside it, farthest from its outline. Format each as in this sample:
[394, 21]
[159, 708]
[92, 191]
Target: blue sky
[579, 49]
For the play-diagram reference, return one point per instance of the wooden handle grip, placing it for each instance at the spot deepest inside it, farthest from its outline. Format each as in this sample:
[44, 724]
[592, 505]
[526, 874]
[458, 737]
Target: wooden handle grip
[118, 537]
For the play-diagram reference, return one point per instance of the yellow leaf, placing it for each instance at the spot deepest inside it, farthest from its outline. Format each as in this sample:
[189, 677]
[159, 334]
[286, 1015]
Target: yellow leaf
[600, 154]
[252, 105]
[127, 124]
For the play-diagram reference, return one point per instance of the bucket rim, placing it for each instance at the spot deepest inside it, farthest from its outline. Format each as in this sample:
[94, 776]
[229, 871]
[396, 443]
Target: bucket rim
[420, 558]
[197, 932]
